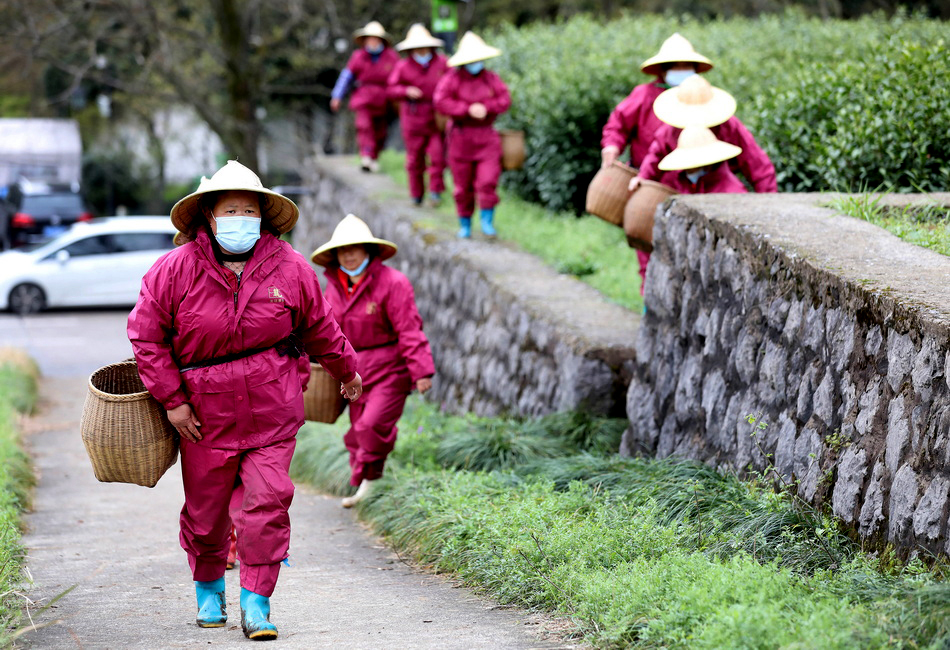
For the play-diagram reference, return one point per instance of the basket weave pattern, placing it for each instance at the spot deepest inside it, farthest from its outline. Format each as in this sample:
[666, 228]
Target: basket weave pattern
[125, 430]
[322, 401]
[607, 193]
[639, 212]
[512, 149]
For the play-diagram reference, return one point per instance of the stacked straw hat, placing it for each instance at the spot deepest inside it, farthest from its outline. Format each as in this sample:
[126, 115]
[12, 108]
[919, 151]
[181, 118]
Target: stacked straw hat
[697, 146]
[471, 49]
[372, 28]
[675, 49]
[695, 102]
[276, 208]
[418, 37]
[352, 230]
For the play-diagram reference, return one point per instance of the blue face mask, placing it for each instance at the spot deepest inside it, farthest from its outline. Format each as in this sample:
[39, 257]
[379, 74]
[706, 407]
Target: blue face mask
[238, 234]
[676, 77]
[359, 269]
[475, 68]
[695, 176]
[422, 59]
[375, 50]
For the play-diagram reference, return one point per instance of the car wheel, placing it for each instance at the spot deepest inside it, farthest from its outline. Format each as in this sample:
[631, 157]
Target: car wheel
[27, 299]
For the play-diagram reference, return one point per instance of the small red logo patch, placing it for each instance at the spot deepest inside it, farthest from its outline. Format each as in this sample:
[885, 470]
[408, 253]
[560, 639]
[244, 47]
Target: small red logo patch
[371, 308]
[274, 294]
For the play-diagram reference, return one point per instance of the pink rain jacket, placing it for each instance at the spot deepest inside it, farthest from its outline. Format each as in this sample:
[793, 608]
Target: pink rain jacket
[753, 162]
[416, 115]
[633, 121]
[720, 180]
[191, 309]
[459, 89]
[382, 323]
[370, 79]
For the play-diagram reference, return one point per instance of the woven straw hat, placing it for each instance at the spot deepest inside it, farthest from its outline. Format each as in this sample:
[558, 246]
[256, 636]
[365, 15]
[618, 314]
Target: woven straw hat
[418, 36]
[674, 49]
[352, 230]
[471, 49]
[280, 211]
[372, 28]
[695, 102]
[697, 146]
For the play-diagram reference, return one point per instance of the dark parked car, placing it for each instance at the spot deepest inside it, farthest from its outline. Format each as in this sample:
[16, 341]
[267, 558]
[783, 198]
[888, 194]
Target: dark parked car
[34, 212]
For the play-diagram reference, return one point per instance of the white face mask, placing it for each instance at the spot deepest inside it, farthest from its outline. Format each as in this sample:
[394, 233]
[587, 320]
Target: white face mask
[422, 59]
[695, 176]
[237, 234]
[676, 77]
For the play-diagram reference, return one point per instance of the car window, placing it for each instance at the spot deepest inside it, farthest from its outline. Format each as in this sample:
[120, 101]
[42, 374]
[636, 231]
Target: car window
[98, 245]
[44, 203]
[128, 242]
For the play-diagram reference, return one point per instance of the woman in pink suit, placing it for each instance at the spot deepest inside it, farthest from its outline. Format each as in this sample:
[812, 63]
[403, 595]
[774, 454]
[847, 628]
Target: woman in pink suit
[368, 70]
[698, 164]
[217, 333]
[633, 121]
[473, 97]
[376, 309]
[413, 83]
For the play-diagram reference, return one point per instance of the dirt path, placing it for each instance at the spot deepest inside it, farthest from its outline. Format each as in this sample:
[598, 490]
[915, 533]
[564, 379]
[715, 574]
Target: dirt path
[118, 545]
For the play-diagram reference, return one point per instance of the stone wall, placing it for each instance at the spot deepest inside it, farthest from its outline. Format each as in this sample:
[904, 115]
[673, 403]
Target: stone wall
[830, 330]
[508, 333]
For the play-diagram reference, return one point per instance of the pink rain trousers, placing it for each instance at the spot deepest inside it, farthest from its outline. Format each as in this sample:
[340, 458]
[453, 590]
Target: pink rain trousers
[369, 100]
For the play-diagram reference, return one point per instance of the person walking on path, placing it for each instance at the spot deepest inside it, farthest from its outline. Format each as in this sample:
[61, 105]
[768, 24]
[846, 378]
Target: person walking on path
[633, 121]
[217, 334]
[698, 164]
[473, 98]
[413, 83]
[376, 308]
[368, 71]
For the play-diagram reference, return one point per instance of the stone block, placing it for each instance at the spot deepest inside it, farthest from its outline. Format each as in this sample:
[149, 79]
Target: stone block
[930, 515]
[687, 397]
[807, 466]
[900, 358]
[714, 404]
[928, 369]
[813, 332]
[902, 499]
[840, 335]
[872, 510]
[852, 470]
[746, 353]
[869, 406]
[773, 371]
[793, 324]
[824, 400]
[898, 434]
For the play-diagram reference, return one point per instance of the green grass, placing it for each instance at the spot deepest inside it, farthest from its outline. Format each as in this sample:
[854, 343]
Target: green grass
[637, 553]
[926, 225]
[588, 248]
[18, 391]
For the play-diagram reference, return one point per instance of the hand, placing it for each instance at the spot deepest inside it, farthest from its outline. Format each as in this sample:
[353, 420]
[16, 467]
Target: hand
[633, 184]
[413, 93]
[607, 156]
[353, 389]
[423, 385]
[185, 422]
[478, 111]
[335, 104]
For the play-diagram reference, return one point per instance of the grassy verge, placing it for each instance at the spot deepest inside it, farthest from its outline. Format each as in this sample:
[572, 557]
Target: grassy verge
[926, 225]
[638, 553]
[588, 248]
[18, 390]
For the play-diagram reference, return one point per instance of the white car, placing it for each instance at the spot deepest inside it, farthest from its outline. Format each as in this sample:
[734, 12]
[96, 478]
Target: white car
[95, 263]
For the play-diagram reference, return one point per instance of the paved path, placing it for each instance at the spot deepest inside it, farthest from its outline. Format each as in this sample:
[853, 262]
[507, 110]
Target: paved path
[118, 544]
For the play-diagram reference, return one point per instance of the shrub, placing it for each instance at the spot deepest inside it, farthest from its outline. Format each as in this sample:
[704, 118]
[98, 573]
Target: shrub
[835, 104]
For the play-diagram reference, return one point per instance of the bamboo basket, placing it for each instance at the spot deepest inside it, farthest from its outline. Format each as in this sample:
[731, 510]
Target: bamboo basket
[639, 211]
[322, 401]
[125, 430]
[607, 193]
[512, 149]
[441, 122]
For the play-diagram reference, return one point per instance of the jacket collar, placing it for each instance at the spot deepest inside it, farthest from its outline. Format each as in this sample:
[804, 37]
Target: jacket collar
[267, 254]
[371, 272]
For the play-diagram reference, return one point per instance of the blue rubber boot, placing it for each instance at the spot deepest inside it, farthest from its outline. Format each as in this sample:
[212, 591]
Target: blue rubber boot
[465, 228]
[486, 220]
[255, 616]
[211, 603]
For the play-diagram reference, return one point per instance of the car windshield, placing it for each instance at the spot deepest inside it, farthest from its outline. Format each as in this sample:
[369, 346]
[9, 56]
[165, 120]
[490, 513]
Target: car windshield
[48, 203]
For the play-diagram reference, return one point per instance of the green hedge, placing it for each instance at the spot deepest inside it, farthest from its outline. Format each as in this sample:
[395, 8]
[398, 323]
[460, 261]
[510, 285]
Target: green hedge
[838, 105]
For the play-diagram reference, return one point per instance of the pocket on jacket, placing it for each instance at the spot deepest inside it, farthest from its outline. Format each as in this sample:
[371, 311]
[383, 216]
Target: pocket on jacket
[277, 403]
[211, 393]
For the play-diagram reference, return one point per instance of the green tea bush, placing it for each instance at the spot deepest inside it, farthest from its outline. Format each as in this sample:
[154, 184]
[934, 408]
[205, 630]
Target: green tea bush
[836, 104]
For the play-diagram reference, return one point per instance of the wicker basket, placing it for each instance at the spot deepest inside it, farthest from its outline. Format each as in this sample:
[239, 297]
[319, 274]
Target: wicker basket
[607, 193]
[638, 214]
[441, 122]
[126, 431]
[512, 149]
[322, 401]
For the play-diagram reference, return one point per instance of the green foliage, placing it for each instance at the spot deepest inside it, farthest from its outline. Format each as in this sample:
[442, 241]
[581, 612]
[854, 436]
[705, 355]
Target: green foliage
[835, 104]
[18, 390]
[494, 445]
[926, 225]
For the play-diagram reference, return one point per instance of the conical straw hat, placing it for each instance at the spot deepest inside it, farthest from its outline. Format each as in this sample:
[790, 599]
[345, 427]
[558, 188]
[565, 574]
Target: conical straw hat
[372, 28]
[280, 211]
[352, 230]
[417, 37]
[698, 146]
[471, 49]
[695, 102]
[675, 48]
